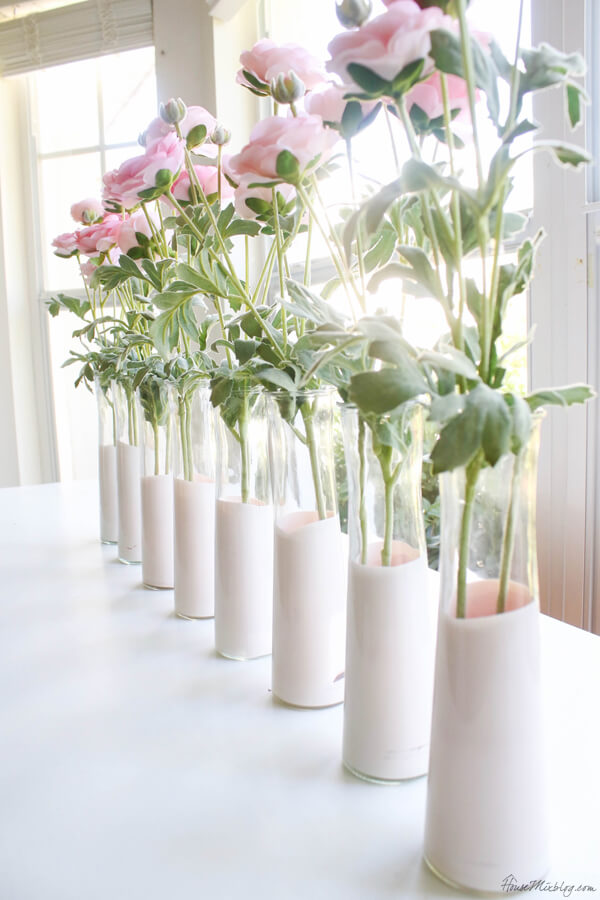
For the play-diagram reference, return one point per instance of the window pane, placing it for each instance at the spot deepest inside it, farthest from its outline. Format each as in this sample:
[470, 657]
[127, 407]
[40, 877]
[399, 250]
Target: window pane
[129, 94]
[64, 181]
[67, 106]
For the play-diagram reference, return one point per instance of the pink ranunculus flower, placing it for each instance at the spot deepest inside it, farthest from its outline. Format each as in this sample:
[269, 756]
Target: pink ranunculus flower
[267, 60]
[123, 185]
[330, 104]
[208, 178]
[243, 192]
[65, 244]
[135, 223]
[388, 43]
[305, 137]
[87, 211]
[195, 115]
[99, 238]
[428, 95]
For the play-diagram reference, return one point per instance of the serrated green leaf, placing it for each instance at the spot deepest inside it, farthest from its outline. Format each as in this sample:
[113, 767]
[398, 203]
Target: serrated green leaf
[561, 396]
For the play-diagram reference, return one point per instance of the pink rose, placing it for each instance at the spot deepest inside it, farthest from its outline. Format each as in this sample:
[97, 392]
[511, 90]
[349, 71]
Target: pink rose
[267, 60]
[99, 238]
[428, 95]
[123, 185]
[207, 176]
[388, 43]
[87, 211]
[243, 192]
[65, 244]
[304, 137]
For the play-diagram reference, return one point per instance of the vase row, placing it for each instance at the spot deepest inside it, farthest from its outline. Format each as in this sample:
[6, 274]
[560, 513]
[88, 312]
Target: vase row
[238, 512]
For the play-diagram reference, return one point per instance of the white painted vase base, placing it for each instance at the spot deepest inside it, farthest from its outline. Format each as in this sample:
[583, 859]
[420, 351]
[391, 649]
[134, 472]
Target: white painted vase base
[157, 531]
[243, 578]
[487, 746]
[109, 503]
[194, 548]
[390, 652]
[130, 505]
[309, 611]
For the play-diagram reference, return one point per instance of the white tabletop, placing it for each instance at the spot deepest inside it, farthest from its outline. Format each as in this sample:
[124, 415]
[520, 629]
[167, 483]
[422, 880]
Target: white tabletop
[135, 763]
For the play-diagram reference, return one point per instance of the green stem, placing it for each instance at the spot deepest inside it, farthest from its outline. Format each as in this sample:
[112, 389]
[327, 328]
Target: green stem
[337, 262]
[183, 439]
[280, 265]
[388, 120]
[307, 412]
[307, 259]
[362, 490]
[244, 448]
[508, 541]
[359, 249]
[471, 475]
[219, 168]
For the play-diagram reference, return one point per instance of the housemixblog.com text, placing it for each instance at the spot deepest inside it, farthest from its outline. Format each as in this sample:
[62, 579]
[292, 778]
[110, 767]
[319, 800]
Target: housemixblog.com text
[510, 884]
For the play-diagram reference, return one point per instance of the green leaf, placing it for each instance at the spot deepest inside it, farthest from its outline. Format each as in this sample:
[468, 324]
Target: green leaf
[459, 440]
[444, 408]
[561, 396]
[368, 81]
[196, 136]
[276, 377]
[244, 350]
[497, 423]
[521, 422]
[452, 360]
[220, 389]
[421, 267]
[288, 167]
[379, 392]
[447, 52]
[567, 154]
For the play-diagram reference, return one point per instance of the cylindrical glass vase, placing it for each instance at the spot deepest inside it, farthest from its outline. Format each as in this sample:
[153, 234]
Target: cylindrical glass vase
[392, 603]
[107, 462]
[309, 589]
[243, 529]
[195, 502]
[486, 805]
[129, 470]
[157, 484]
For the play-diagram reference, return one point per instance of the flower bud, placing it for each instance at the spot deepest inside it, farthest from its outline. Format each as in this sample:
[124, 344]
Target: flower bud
[353, 13]
[173, 111]
[220, 136]
[287, 88]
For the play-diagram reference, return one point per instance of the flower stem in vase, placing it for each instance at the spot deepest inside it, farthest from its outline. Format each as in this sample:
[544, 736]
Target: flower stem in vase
[472, 474]
[307, 415]
[244, 448]
[508, 541]
[362, 487]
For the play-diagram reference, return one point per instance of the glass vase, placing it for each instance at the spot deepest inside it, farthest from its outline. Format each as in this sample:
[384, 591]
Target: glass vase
[309, 599]
[129, 470]
[243, 529]
[392, 600]
[195, 502]
[107, 462]
[157, 484]
[486, 807]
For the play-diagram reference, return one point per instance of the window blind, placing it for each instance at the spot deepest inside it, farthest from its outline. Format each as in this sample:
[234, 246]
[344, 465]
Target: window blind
[92, 28]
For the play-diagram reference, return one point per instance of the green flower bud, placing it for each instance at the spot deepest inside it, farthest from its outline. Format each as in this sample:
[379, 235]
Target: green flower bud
[220, 136]
[353, 13]
[287, 88]
[173, 111]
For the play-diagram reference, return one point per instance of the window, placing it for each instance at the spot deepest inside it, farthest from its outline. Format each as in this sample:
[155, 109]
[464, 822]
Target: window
[111, 100]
